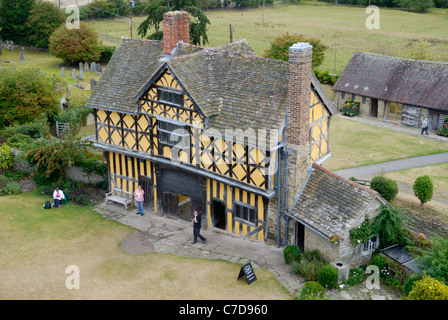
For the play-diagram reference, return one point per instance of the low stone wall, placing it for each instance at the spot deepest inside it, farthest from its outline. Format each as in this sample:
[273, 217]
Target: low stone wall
[74, 173]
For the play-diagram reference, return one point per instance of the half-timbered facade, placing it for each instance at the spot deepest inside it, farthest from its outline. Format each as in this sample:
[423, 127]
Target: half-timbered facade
[203, 129]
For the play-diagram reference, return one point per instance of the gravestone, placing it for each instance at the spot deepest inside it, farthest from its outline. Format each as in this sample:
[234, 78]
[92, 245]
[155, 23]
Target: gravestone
[93, 83]
[81, 71]
[78, 85]
[22, 53]
[93, 67]
[73, 74]
[86, 66]
[58, 87]
[62, 103]
[99, 69]
[62, 72]
[67, 92]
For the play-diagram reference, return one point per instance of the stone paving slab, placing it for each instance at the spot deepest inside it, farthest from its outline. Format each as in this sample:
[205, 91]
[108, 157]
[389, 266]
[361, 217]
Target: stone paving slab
[158, 234]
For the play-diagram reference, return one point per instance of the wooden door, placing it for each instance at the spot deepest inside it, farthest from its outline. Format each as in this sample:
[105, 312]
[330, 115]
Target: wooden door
[374, 108]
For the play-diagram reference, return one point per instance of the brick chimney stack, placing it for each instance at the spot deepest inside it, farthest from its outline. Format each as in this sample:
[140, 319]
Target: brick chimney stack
[176, 27]
[299, 94]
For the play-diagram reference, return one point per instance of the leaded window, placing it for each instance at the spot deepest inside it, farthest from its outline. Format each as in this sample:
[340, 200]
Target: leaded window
[245, 213]
[170, 97]
[173, 134]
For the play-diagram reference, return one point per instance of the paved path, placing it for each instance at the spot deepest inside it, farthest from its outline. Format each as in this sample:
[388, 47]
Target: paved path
[373, 169]
[164, 235]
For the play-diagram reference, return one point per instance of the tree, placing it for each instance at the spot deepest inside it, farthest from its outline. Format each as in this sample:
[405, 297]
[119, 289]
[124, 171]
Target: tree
[75, 45]
[279, 49]
[45, 17]
[423, 189]
[24, 95]
[157, 8]
[13, 17]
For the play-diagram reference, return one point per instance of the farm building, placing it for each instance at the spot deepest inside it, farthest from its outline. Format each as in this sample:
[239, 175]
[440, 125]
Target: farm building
[395, 89]
[217, 130]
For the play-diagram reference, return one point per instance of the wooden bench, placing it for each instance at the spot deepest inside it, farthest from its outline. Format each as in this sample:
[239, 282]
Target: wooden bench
[119, 196]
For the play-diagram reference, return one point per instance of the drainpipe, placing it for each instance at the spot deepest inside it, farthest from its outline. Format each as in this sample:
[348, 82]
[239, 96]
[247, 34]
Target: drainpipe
[279, 168]
[280, 153]
[285, 194]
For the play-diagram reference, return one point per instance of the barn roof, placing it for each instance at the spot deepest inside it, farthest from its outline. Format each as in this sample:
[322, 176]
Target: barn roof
[411, 82]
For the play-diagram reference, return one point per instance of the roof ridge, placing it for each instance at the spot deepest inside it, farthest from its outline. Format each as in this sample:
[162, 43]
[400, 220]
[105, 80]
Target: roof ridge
[348, 181]
[398, 58]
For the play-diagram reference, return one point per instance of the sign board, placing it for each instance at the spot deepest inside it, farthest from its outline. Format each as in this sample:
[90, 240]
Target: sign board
[247, 271]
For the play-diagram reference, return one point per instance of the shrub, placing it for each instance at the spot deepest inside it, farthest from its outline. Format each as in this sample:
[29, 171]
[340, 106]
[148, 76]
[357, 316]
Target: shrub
[435, 260]
[386, 187]
[328, 276]
[312, 291]
[75, 45]
[291, 253]
[409, 284]
[428, 288]
[379, 261]
[310, 264]
[6, 158]
[356, 276]
[423, 188]
[12, 187]
[279, 48]
[106, 53]
[25, 94]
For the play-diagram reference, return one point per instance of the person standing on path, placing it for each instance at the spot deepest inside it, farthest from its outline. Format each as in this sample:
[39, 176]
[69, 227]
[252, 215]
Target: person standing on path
[139, 198]
[425, 125]
[197, 228]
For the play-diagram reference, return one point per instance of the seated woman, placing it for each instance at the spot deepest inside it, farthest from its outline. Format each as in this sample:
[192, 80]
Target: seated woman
[58, 195]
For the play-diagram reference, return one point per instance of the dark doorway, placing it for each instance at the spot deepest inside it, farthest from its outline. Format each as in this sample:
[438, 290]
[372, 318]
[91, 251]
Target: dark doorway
[146, 184]
[374, 108]
[219, 214]
[184, 208]
[170, 204]
[300, 236]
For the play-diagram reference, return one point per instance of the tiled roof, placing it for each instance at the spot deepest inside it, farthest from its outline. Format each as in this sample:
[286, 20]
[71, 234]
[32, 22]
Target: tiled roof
[232, 86]
[331, 204]
[411, 82]
[132, 63]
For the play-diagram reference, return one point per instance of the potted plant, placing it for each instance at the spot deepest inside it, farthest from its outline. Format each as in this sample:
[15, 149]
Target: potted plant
[443, 130]
[335, 239]
[350, 108]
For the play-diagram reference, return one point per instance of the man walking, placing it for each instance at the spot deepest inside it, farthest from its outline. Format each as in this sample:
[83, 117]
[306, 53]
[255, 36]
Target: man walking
[425, 125]
[197, 227]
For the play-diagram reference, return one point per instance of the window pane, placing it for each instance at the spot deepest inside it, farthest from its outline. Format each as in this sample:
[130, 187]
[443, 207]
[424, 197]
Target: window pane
[172, 97]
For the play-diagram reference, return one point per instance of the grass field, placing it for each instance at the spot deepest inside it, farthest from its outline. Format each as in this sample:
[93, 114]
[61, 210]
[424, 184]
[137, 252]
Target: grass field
[340, 25]
[355, 144]
[37, 245]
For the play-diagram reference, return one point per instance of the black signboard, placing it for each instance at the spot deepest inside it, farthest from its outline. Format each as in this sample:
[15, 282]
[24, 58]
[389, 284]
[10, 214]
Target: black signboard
[247, 271]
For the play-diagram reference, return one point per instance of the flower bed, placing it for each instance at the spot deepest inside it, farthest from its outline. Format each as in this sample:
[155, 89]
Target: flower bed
[350, 108]
[443, 130]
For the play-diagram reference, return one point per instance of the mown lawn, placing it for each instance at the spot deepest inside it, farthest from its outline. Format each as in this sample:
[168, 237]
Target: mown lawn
[37, 246]
[341, 25]
[355, 144]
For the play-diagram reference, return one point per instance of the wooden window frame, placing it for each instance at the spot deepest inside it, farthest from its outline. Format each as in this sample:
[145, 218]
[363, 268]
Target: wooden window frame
[249, 207]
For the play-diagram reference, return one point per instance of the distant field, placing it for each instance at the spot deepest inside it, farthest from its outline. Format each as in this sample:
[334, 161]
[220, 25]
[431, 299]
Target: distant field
[340, 25]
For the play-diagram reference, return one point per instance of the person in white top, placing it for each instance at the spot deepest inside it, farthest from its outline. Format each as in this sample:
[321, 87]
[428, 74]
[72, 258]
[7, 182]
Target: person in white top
[58, 195]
